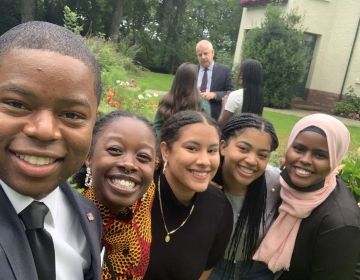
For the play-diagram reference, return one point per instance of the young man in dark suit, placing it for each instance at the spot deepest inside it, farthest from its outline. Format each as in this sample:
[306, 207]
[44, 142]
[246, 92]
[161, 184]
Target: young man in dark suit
[214, 79]
[49, 92]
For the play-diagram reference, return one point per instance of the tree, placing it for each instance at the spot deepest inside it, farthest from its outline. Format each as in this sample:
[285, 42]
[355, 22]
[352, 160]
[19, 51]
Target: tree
[164, 31]
[279, 44]
[9, 15]
[116, 20]
[72, 21]
[175, 26]
[27, 8]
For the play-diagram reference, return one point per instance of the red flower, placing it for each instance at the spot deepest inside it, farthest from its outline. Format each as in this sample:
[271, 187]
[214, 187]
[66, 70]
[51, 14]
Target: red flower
[117, 104]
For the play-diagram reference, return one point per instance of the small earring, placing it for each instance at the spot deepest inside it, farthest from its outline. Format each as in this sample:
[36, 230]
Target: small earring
[164, 166]
[143, 197]
[88, 177]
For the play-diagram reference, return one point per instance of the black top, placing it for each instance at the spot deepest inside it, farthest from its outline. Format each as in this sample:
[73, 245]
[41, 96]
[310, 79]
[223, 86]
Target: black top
[328, 242]
[195, 247]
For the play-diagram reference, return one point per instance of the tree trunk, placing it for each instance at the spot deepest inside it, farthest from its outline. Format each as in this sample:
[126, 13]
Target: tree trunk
[116, 20]
[28, 10]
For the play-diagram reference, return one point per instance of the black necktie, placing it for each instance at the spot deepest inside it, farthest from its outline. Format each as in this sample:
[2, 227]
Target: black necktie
[40, 240]
[204, 81]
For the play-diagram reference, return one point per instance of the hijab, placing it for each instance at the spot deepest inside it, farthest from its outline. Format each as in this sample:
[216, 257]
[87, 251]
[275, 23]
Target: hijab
[277, 247]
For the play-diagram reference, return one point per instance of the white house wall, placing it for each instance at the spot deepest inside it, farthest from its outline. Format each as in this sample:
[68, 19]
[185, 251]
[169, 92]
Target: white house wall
[335, 23]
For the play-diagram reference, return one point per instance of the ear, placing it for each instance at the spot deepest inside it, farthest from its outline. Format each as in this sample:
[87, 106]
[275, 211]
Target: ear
[222, 147]
[164, 150]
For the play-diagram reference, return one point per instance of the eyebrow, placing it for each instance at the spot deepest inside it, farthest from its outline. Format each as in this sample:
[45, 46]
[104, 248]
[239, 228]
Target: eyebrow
[22, 91]
[120, 137]
[307, 147]
[248, 144]
[321, 151]
[199, 144]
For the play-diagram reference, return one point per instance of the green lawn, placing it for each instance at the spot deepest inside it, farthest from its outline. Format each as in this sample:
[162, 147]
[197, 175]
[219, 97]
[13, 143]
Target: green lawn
[283, 123]
[155, 81]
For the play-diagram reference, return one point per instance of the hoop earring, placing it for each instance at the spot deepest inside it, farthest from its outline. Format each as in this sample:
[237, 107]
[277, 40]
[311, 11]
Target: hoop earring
[88, 177]
[164, 166]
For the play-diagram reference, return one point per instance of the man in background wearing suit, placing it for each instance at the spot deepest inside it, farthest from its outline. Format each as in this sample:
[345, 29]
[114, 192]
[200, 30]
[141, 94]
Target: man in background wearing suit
[214, 79]
[49, 92]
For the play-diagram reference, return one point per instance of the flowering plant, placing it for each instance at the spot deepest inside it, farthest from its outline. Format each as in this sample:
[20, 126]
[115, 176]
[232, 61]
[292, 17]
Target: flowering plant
[349, 171]
[127, 96]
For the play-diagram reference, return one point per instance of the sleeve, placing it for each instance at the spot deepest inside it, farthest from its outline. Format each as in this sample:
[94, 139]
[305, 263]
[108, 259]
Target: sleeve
[157, 124]
[228, 84]
[234, 101]
[336, 254]
[222, 237]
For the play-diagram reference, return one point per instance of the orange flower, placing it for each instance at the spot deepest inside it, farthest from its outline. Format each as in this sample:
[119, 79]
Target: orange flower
[117, 104]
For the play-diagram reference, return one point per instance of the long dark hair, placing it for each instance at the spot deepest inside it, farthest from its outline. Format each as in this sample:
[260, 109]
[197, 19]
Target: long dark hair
[183, 94]
[251, 217]
[251, 75]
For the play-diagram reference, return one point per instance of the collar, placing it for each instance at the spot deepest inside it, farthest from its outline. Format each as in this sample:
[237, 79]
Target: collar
[20, 201]
[168, 197]
[107, 214]
[210, 68]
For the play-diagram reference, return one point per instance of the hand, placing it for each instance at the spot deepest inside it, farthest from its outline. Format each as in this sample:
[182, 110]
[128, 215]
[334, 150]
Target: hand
[208, 95]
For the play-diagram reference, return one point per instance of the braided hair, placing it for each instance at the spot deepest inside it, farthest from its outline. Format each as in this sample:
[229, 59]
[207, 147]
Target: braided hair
[251, 216]
[251, 75]
[100, 125]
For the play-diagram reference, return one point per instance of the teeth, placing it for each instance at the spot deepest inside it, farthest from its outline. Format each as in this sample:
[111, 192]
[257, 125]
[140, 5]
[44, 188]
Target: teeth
[123, 184]
[247, 170]
[200, 174]
[303, 172]
[36, 160]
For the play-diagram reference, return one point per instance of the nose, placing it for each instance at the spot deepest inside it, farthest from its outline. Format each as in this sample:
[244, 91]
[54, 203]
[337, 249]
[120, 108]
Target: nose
[306, 158]
[203, 158]
[251, 158]
[127, 163]
[43, 126]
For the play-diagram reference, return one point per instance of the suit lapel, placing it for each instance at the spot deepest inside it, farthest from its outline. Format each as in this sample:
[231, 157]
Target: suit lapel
[213, 77]
[90, 221]
[14, 241]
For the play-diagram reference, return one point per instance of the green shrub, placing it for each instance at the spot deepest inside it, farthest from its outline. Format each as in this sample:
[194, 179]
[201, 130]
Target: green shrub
[120, 91]
[350, 172]
[105, 52]
[279, 44]
[72, 21]
[349, 107]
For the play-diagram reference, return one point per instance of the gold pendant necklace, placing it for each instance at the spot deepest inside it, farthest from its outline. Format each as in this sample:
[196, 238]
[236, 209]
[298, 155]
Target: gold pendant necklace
[168, 233]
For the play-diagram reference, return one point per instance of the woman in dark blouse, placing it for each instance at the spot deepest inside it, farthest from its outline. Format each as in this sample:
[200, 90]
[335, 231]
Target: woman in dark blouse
[191, 221]
[316, 235]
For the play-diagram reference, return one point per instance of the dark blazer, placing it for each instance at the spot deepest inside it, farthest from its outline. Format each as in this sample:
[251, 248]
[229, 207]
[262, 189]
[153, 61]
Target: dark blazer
[16, 260]
[221, 84]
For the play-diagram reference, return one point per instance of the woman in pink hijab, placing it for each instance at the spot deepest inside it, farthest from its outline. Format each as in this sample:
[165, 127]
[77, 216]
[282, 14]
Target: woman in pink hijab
[317, 232]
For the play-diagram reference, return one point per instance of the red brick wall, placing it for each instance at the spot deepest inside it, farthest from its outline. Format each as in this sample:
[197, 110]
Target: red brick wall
[316, 100]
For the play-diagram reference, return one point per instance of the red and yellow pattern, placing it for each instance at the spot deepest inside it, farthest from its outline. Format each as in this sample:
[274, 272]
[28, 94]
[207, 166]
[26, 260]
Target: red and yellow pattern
[126, 237]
